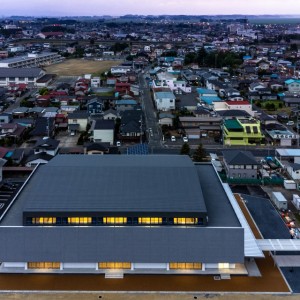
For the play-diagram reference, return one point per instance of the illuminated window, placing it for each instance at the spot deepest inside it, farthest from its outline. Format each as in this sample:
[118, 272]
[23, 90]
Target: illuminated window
[150, 220]
[114, 220]
[114, 265]
[48, 220]
[43, 265]
[79, 220]
[223, 265]
[185, 220]
[185, 266]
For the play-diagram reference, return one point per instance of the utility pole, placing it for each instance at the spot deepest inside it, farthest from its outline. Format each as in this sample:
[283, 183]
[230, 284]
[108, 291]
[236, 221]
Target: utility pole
[141, 127]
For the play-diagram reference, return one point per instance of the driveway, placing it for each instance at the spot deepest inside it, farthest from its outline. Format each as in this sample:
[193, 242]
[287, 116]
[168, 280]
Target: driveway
[66, 140]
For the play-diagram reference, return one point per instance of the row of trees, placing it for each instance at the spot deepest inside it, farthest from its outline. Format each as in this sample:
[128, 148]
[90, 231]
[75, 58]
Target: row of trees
[199, 154]
[217, 59]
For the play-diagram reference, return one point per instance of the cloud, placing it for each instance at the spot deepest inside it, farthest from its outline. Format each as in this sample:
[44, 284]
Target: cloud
[121, 7]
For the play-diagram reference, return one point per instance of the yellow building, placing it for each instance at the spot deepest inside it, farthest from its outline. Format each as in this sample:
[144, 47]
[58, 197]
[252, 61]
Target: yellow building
[242, 131]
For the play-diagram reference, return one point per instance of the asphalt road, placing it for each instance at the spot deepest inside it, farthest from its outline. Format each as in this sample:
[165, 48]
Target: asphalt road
[153, 129]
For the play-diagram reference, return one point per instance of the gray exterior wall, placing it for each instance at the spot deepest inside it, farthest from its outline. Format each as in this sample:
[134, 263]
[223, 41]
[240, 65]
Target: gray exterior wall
[145, 245]
[241, 173]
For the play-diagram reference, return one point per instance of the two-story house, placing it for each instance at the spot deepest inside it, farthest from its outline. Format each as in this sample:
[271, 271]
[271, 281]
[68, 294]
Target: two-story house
[77, 121]
[164, 101]
[293, 85]
[103, 131]
[240, 164]
[94, 106]
[242, 131]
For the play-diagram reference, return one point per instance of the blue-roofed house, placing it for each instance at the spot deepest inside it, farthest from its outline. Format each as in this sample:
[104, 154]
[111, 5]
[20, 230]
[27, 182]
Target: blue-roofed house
[164, 101]
[125, 104]
[208, 96]
[293, 85]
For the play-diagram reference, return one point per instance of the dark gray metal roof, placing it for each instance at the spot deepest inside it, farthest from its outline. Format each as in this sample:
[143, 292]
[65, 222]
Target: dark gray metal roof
[20, 72]
[237, 157]
[135, 244]
[104, 124]
[115, 184]
[219, 208]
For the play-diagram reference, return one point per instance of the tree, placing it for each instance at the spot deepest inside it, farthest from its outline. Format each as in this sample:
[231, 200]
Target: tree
[199, 154]
[185, 149]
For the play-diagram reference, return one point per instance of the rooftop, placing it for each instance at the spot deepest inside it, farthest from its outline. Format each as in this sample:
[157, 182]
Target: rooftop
[145, 183]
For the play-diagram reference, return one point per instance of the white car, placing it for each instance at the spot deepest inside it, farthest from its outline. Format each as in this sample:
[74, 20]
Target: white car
[185, 139]
[118, 143]
[173, 138]
[290, 123]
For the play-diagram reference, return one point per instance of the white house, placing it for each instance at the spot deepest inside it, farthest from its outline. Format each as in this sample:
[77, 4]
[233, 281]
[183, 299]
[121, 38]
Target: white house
[77, 121]
[293, 85]
[234, 105]
[164, 101]
[103, 131]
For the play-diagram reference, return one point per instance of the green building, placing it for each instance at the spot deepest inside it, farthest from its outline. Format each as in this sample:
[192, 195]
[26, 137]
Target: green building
[242, 131]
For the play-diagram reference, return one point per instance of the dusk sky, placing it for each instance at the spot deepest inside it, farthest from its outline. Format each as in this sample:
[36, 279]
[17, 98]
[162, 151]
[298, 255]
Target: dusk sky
[153, 7]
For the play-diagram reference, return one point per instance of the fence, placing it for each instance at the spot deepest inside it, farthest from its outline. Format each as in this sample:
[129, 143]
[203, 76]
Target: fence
[245, 181]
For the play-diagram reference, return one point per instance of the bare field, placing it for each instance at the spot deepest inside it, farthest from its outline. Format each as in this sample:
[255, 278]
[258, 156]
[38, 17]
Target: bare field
[77, 67]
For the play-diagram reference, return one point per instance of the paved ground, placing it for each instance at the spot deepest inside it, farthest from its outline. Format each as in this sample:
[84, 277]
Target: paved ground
[135, 296]
[266, 217]
[66, 140]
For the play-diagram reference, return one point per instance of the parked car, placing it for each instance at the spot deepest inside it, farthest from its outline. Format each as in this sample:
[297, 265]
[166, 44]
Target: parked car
[290, 123]
[173, 138]
[185, 139]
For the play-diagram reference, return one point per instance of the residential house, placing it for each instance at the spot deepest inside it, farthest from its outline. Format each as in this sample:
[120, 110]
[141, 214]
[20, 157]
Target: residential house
[36, 159]
[19, 112]
[94, 106]
[166, 119]
[103, 131]
[43, 127]
[110, 114]
[125, 104]
[132, 127]
[97, 148]
[256, 86]
[242, 131]
[234, 105]
[122, 87]
[207, 96]
[17, 156]
[78, 121]
[281, 136]
[5, 118]
[240, 164]
[293, 85]
[46, 145]
[12, 131]
[164, 101]
[202, 126]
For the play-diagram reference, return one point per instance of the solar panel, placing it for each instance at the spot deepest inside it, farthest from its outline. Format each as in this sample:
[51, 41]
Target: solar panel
[139, 149]
[248, 129]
